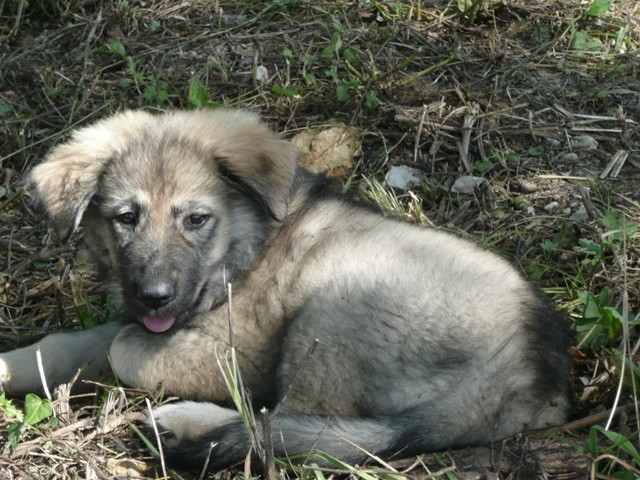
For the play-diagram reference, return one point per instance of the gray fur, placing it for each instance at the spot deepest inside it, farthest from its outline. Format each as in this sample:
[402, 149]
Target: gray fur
[426, 341]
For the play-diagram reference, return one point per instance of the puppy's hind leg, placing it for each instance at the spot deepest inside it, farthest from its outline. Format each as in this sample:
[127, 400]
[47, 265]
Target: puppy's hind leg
[63, 354]
[195, 434]
[189, 420]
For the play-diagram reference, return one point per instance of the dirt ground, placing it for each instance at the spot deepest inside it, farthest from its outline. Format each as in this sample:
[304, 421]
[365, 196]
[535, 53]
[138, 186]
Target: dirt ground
[539, 100]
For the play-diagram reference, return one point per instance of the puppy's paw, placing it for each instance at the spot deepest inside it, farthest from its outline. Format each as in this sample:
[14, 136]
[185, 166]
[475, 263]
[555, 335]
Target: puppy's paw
[4, 373]
[189, 420]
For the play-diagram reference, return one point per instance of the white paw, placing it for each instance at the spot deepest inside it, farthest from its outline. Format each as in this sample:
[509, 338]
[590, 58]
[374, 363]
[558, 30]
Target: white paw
[188, 420]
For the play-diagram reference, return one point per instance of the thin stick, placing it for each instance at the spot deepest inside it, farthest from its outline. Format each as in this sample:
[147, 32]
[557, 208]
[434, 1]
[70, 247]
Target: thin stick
[241, 388]
[206, 462]
[43, 379]
[431, 68]
[90, 37]
[269, 461]
[416, 147]
[8, 201]
[155, 429]
[240, 384]
[303, 365]
[591, 419]
[623, 363]
[586, 201]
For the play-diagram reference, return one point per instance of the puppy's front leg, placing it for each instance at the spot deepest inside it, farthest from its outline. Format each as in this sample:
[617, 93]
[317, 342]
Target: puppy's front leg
[63, 354]
[184, 361]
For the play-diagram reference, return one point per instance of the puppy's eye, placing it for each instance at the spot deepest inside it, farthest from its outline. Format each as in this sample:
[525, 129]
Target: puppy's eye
[127, 218]
[196, 220]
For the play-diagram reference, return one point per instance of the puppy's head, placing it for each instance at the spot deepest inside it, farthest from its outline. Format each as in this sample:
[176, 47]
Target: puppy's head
[170, 204]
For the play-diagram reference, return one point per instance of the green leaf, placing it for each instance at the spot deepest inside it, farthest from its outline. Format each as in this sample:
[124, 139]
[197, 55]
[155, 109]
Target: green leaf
[163, 94]
[593, 442]
[10, 409]
[52, 422]
[350, 54]
[620, 441]
[3, 191]
[85, 315]
[285, 92]
[589, 247]
[310, 79]
[598, 8]
[535, 151]
[197, 93]
[336, 41]
[327, 52]
[370, 100]
[15, 432]
[617, 223]
[591, 309]
[36, 409]
[549, 246]
[149, 94]
[513, 156]
[483, 166]
[332, 72]
[612, 220]
[4, 108]
[342, 93]
[585, 43]
[117, 48]
[605, 297]
[287, 53]
[612, 321]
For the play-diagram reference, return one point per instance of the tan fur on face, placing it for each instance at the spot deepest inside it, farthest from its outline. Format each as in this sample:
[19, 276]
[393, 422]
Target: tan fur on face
[67, 180]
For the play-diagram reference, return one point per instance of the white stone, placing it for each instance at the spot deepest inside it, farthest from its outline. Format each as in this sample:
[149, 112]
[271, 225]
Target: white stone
[403, 177]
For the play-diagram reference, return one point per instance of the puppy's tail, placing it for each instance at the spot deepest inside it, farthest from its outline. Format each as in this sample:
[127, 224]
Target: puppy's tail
[195, 434]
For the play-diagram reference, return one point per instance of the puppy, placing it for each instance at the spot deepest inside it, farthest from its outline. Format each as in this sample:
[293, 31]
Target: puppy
[425, 341]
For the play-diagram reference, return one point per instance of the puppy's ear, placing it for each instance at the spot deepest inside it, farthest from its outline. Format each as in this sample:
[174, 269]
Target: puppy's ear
[69, 177]
[268, 172]
[251, 154]
[64, 185]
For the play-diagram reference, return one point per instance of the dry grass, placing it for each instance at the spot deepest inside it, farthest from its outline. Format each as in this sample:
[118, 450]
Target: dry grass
[502, 92]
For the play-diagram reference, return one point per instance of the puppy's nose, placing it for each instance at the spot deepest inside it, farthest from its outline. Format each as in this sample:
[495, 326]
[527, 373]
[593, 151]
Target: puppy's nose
[155, 295]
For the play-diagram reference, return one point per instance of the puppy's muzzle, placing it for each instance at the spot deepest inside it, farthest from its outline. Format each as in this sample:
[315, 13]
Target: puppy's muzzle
[155, 295]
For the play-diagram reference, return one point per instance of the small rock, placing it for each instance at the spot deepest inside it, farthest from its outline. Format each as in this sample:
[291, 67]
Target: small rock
[528, 187]
[403, 177]
[329, 150]
[262, 74]
[530, 210]
[127, 468]
[551, 206]
[498, 214]
[467, 184]
[583, 142]
[579, 216]
[569, 157]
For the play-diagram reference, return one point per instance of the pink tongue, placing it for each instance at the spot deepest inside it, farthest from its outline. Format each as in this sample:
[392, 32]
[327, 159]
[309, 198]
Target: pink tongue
[158, 324]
